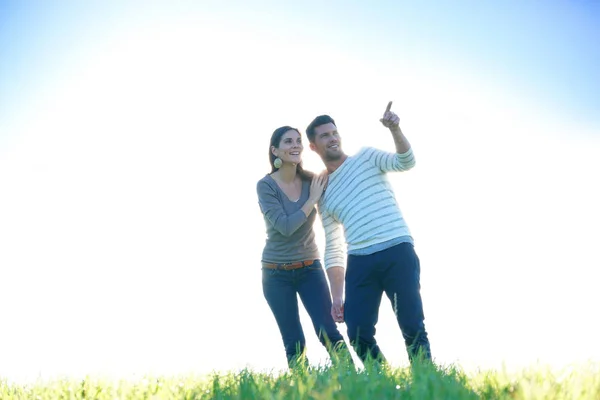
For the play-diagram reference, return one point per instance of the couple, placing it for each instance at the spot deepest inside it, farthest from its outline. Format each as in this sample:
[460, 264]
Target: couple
[359, 204]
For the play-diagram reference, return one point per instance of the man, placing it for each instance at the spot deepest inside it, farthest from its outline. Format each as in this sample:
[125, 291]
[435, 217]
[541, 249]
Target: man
[381, 258]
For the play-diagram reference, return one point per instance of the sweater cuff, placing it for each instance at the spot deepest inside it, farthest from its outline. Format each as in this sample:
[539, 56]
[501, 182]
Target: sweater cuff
[407, 154]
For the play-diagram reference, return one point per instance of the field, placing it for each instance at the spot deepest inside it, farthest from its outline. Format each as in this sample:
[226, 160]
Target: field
[423, 381]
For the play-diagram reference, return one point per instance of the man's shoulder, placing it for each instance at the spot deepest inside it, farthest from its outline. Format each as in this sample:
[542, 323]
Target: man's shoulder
[365, 151]
[360, 154]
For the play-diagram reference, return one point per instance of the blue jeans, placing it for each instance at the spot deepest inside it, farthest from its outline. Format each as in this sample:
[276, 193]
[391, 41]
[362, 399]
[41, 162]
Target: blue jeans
[395, 271]
[281, 287]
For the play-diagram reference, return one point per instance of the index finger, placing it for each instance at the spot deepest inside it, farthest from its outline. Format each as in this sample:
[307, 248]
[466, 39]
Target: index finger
[389, 107]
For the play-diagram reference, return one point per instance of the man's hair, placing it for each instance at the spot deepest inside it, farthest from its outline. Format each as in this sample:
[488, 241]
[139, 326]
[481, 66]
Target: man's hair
[320, 120]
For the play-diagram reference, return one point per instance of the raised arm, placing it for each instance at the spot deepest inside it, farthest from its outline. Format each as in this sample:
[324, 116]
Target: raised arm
[403, 159]
[392, 121]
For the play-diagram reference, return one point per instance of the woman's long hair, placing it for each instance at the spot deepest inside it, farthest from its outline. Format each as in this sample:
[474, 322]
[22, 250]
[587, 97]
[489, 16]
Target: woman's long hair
[275, 142]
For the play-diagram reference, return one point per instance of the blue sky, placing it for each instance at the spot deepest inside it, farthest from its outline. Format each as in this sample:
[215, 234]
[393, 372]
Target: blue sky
[546, 51]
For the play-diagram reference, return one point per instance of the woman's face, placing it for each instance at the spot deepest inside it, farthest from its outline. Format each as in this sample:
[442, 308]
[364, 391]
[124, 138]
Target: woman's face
[290, 147]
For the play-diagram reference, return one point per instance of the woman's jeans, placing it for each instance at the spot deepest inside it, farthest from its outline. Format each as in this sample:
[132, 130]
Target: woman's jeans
[280, 288]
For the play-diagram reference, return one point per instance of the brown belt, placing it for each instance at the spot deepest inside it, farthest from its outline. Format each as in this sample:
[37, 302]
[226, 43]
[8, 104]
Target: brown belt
[289, 266]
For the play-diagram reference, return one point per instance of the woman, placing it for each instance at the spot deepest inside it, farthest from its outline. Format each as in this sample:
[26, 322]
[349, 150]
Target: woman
[290, 260]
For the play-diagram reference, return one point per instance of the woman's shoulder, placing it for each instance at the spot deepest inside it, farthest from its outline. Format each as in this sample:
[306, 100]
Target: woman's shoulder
[267, 179]
[266, 183]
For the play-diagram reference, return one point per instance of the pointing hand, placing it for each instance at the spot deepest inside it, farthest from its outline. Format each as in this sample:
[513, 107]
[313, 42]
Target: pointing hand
[390, 119]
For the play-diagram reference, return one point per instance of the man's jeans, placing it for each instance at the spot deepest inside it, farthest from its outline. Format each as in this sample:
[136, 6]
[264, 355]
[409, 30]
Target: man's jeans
[281, 287]
[395, 271]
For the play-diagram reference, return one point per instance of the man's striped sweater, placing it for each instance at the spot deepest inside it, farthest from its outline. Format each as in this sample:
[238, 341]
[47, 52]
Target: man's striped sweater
[359, 203]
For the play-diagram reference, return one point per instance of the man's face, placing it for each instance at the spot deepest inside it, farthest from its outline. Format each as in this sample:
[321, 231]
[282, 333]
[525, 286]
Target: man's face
[327, 142]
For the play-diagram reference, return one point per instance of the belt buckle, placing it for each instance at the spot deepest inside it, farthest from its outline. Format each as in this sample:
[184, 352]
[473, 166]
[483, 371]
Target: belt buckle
[285, 265]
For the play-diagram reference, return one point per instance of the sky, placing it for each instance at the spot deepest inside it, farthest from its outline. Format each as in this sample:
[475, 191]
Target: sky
[132, 135]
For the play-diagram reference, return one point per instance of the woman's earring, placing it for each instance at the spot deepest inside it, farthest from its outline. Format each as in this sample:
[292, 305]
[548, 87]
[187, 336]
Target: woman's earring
[277, 162]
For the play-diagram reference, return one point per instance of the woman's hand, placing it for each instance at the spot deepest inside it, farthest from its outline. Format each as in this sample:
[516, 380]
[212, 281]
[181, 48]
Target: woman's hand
[317, 187]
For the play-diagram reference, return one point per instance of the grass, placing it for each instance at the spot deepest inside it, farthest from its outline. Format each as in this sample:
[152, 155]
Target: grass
[423, 381]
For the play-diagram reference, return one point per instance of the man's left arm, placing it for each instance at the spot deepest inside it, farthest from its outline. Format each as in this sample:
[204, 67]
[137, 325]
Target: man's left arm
[392, 121]
[403, 159]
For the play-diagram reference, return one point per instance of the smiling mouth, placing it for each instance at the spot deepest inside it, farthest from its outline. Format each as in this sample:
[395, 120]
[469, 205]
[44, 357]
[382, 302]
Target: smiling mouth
[334, 146]
[296, 153]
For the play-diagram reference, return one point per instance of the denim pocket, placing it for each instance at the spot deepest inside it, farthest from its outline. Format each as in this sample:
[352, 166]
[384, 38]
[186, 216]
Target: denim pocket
[269, 271]
[315, 266]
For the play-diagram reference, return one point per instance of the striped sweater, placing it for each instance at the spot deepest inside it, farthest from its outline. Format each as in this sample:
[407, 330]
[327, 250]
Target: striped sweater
[359, 203]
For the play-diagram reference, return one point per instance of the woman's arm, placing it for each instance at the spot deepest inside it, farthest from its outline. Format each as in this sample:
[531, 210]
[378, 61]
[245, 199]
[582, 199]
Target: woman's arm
[273, 210]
